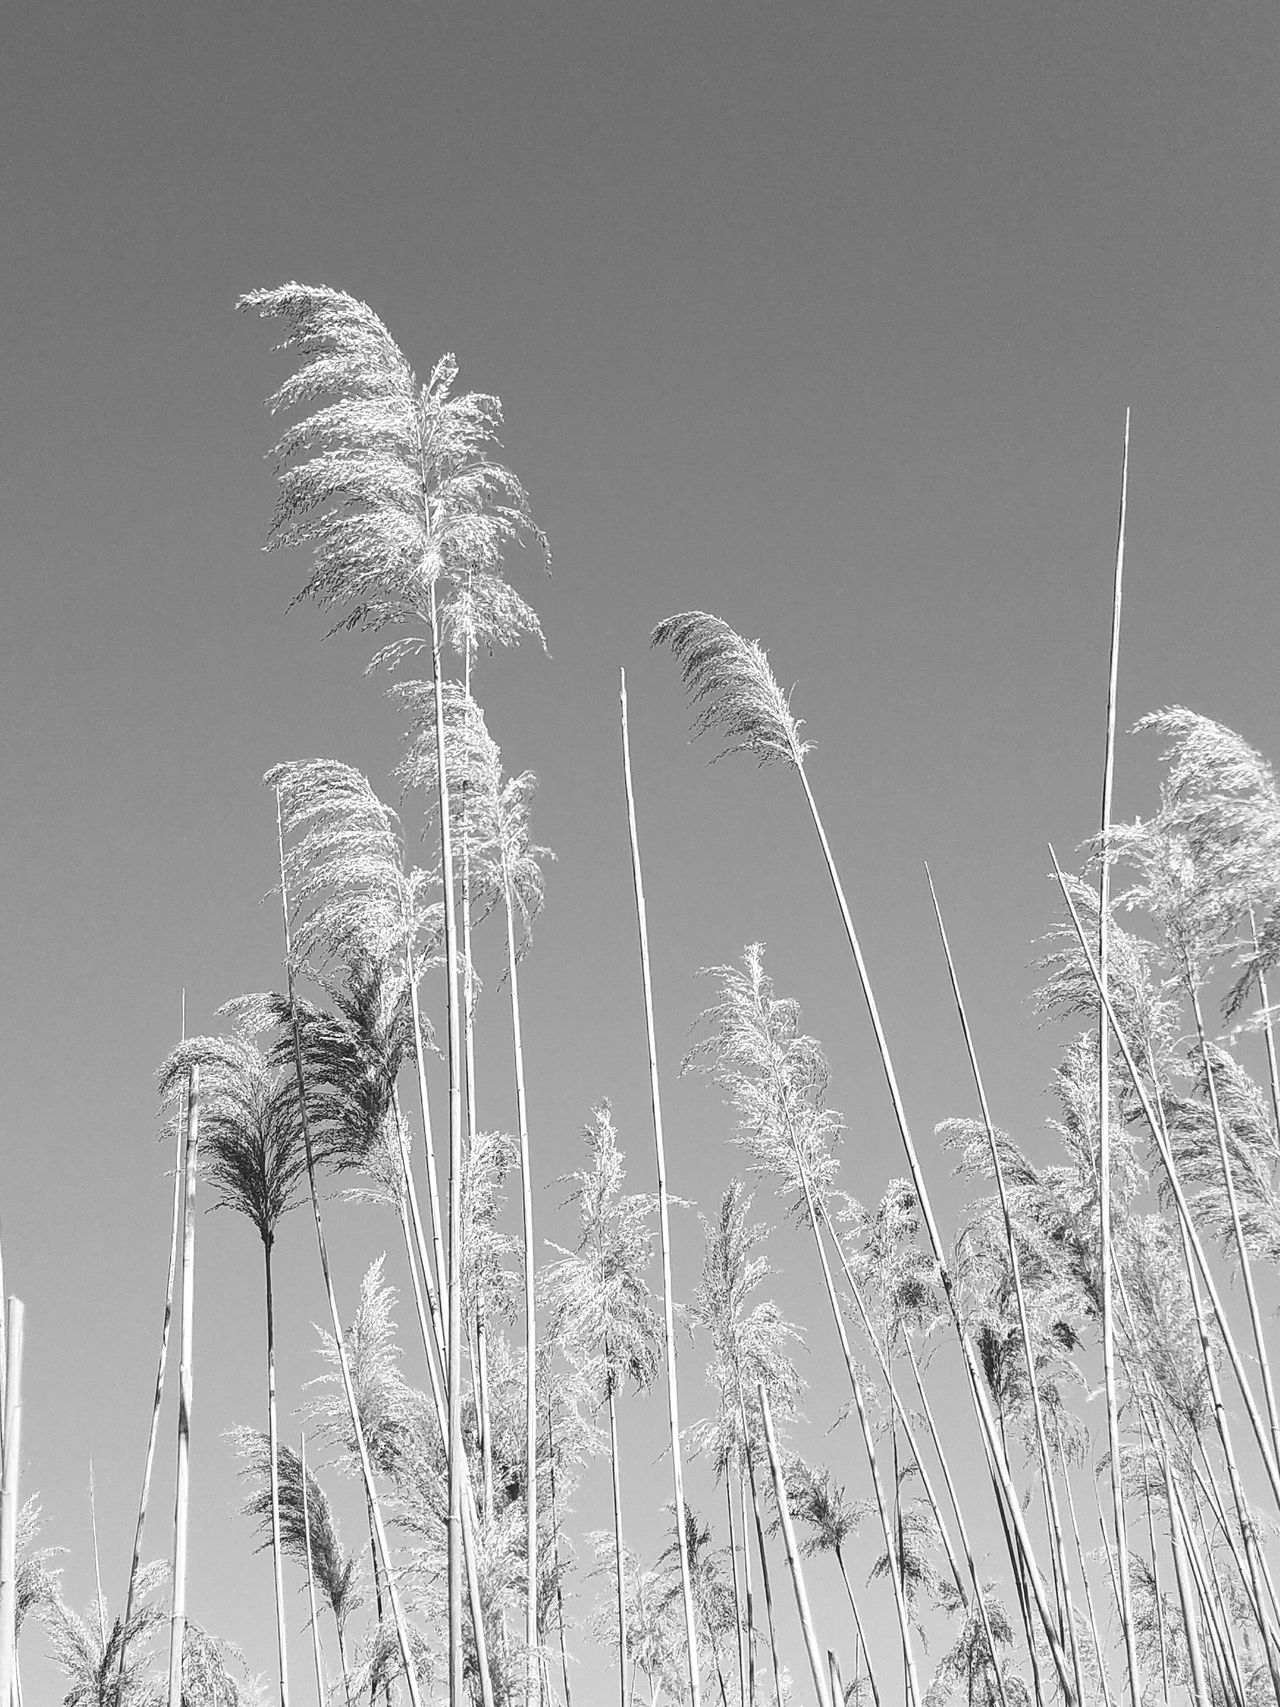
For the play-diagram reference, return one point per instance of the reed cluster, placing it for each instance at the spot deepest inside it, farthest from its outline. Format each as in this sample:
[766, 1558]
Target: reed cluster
[1136, 1263]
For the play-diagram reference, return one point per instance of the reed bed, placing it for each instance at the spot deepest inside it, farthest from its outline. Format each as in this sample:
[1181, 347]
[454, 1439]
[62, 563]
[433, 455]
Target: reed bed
[995, 1540]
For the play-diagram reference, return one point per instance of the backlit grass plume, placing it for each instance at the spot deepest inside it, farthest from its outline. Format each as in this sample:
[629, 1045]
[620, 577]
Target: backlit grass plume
[87, 1650]
[390, 481]
[776, 1078]
[348, 885]
[336, 1571]
[491, 811]
[738, 694]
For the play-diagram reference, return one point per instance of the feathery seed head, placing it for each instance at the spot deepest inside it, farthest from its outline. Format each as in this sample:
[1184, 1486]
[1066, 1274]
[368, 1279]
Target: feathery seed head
[730, 680]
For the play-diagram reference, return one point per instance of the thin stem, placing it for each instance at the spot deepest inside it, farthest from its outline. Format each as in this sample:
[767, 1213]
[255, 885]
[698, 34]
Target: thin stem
[985, 1419]
[764, 1576]
[9, 1497]
[1104, 1116]
[153, 1432]
[178, 1615]
[531, 1356]
[970, 1561]
[737, 1591]
[555, 1545]
[1233, 1202]
[746, 1583]
[277, 1557]
[793, 1554]
[618, 1555]
[311, 1578]
[420, 1279]
[860, 1638]
[97, 1564]
[673, 1403]
[1015, 1265]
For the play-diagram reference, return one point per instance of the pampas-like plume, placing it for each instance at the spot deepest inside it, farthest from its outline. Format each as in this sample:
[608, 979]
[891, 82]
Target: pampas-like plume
[336, 1570]
[390, 483]
[350, 892]
[491, 812]
[730, 679]
[775, 1076]
[91, 1666]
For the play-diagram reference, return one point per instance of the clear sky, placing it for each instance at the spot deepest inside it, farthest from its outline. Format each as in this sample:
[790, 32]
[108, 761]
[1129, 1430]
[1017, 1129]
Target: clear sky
[822, 317]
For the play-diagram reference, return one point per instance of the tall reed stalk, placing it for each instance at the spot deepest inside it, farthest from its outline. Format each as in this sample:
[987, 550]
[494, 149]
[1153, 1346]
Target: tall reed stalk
[13, 1315]
[157, 1396]
[190, 1165]
[1114, 1460]
[1015, 1267]
[816, 1666]
[655, 1095]
[454, 1044]
[311, 1576]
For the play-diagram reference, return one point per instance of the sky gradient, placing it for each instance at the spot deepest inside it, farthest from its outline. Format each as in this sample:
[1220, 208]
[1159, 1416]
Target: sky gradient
[823, 318]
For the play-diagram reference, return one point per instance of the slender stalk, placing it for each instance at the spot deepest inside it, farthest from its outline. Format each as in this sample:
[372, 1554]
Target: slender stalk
[190, 1168]
[1155, 1563]
[1269, 1031]
[737, 1592]
[764, 1574]
[892, 1539]
[433, 1189]
[1195, 1657]
[377, 1596]
[1046, 1469]
[793, 1554]
[381, 1547]
[9, 1497]
[970, 1561]
[1084, 1578]
[618, 1555]
[454, 1299]
[311, 1578]
[4, 1340]
[97, 1563]
[429, 1327]
[985, 1419]
[472, 1127]
[1255, 1558]
[1104, 1116]
[868, 1440]
[555, 1544]
[277, 1552]
[860, 1633]
[1218, 1600]
[161, 1366]
[531, 1358]
[1232, 1689]
[1233, 1202]
[746, 1583]
[673, 1403]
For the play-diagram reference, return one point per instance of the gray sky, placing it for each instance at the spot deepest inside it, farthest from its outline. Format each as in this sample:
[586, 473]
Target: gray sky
[820, 317]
